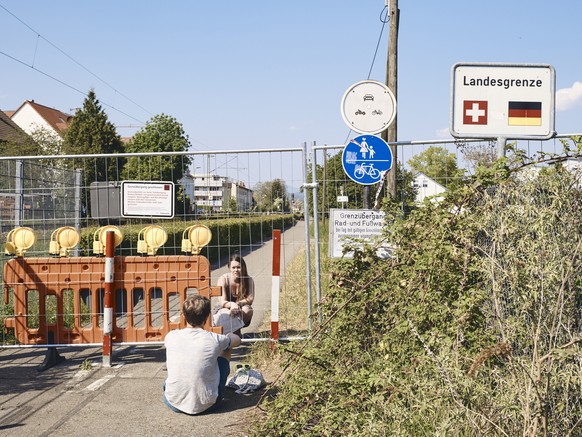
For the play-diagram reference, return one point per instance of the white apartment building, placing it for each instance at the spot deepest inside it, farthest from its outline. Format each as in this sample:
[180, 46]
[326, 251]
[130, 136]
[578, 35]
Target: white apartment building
[211, 192]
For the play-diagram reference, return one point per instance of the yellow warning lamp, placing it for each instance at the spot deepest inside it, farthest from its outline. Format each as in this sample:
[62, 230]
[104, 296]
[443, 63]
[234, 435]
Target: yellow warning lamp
[100, 235]
[150, 239]
[19, 240]
[63, 240]
[195, 237]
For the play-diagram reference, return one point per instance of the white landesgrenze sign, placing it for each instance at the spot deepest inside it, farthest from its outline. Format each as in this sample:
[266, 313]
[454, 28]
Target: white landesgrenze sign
[147, 199]
[346, 224]
[514, 101]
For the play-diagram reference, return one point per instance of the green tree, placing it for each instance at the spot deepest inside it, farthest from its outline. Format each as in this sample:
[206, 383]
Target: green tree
[18, 143]
[162, 133]
[479, 154]
[232, 205]
[15, 143]
[91, 132]
[333, 181]
[271, 196]
[438, 164]
[49, 142]
[405, 190]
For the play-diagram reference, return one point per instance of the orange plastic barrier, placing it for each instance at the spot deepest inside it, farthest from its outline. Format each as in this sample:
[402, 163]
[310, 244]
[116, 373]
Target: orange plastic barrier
[64, 296]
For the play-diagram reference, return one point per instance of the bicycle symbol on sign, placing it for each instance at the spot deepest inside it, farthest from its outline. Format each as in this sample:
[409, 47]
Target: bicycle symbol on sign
[366, 169]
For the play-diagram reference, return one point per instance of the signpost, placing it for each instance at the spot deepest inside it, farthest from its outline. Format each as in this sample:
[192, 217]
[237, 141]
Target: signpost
[513, 101]
[366, 158]
[368, 107]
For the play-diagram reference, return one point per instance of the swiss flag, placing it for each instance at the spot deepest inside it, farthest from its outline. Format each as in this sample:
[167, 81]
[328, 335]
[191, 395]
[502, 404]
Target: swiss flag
[474, 112]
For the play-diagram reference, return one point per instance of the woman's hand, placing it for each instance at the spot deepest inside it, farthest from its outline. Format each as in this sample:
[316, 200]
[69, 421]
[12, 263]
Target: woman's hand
[234, 309]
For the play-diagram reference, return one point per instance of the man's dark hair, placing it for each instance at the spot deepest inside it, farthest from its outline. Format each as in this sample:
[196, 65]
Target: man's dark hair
[196, 309]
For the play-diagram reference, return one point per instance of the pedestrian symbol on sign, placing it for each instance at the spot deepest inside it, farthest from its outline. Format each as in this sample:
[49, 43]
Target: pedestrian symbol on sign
[363, 147]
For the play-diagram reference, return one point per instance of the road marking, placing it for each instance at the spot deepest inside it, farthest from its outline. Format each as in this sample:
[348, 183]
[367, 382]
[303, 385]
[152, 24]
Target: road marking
[99, 383]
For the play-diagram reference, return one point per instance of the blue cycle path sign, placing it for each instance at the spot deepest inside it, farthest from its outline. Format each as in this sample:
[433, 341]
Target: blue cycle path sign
[366, 158]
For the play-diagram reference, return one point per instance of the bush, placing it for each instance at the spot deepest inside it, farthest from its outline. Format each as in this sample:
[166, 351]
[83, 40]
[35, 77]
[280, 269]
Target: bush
[472, 329]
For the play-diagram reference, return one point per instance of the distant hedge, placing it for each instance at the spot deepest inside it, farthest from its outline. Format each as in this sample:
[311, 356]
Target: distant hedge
[226, 233]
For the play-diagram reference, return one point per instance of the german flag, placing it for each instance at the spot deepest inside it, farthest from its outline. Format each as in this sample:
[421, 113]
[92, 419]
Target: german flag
[525, 114]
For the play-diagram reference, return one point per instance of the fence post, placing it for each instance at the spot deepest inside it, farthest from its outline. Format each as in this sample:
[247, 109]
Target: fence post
[77, 213]
[306, 185]
[107, 298]
[275, 287]
[316, 233]
[19, 192]
[501, 144]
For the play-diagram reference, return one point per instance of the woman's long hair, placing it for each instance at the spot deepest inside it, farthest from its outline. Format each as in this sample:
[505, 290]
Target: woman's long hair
[245, 286]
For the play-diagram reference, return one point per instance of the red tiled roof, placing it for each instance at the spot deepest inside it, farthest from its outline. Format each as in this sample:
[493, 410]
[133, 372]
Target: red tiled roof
[58, 120]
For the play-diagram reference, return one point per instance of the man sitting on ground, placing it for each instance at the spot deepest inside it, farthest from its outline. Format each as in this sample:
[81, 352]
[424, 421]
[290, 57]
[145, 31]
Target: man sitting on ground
[197, 361]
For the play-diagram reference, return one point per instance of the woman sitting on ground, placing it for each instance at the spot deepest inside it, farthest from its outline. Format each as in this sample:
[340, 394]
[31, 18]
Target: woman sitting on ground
[238, 289]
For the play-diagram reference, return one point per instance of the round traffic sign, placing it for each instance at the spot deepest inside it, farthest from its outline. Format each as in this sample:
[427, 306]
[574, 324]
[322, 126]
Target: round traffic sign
[366, 158]
[368, 107]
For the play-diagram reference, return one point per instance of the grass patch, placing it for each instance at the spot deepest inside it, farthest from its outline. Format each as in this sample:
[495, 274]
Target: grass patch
[293, 314]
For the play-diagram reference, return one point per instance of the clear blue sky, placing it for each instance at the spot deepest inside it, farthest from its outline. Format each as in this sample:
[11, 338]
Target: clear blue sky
[269, 73]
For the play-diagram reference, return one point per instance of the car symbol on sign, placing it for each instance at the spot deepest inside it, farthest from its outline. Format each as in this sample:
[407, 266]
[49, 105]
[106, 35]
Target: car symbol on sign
[368, 97]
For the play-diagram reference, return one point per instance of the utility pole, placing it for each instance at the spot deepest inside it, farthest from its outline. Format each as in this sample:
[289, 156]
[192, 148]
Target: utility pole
[390, 134]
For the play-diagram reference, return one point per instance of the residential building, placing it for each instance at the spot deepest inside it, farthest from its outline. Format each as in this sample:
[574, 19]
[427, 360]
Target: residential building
[9, 130]
[426, 187]
[33, 117]
[211, 192]
[242, 195]
[574, 165]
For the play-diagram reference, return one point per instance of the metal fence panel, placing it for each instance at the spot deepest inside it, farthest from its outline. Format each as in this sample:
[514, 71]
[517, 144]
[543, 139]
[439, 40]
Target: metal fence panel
[214, 188]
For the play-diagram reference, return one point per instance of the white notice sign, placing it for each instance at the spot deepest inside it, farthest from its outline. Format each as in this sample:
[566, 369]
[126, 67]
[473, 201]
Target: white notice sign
[147, 199]
[349, 224]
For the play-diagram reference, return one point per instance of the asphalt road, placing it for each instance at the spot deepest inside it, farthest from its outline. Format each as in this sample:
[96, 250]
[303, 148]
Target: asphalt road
[125, 399]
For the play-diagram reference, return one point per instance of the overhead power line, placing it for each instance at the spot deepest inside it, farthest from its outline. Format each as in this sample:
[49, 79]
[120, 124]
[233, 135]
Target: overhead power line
[77, 63]
[68, 86]
[384, 19]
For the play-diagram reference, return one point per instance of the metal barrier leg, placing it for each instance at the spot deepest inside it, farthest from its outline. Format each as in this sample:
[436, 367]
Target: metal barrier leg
[52, 357]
